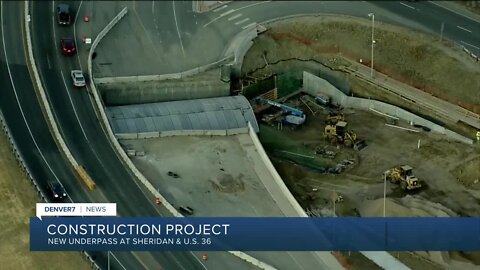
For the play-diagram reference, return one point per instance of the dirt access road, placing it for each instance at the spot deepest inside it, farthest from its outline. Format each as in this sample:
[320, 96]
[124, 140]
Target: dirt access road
[18, 200]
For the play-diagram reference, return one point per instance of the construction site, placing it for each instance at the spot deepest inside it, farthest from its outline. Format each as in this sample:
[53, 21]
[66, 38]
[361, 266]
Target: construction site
[345, 161]
[342, 162]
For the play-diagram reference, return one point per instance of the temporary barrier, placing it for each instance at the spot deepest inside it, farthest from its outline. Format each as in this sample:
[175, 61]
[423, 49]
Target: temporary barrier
[87, 180]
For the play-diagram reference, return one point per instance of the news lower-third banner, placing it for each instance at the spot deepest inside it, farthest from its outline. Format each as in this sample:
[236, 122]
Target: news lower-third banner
[254, 234]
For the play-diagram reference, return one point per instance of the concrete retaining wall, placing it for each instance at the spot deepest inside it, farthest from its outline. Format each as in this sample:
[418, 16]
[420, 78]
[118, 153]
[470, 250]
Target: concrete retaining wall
[162, 77]
[298, 211]
[315, 85]
[123, 156]
[45, 105]
[170, 133]
[239, 46]
[130, 90]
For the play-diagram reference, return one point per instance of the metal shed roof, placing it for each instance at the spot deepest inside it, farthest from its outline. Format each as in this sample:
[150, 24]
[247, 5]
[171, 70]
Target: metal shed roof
[197, 114]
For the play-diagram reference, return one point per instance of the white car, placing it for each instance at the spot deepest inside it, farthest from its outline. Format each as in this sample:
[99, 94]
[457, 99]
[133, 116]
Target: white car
[78, 78]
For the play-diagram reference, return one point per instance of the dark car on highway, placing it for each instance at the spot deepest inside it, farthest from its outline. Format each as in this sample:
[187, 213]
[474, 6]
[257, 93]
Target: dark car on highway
[57, 190]
[63, 14]
[68, 46]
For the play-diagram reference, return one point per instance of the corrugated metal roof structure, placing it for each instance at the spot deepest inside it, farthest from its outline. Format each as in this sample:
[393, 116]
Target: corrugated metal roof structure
[220, 113]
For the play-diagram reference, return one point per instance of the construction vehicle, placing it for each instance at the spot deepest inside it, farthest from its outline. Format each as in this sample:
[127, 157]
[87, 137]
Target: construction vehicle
[322, 100]
[403, 175]
[338, 133]
[293, 116]
[334, 117]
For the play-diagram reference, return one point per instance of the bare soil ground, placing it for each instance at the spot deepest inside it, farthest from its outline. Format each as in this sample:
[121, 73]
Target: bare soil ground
[448, 171]
[411, 57]
[471, 5]
[18, 200]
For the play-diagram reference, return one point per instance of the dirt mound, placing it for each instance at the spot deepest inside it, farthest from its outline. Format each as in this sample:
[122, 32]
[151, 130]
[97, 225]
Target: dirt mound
[228, 184]
[408, 206]
[468, 173]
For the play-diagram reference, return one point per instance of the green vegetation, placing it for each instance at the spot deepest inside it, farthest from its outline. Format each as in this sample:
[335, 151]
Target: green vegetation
[281, 146]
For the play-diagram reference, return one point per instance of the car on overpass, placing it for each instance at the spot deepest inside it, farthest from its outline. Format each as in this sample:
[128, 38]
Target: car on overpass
[77, 78]
[68, 46]
[63, 14]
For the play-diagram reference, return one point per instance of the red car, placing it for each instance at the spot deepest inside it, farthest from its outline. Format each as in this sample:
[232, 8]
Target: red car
[68, 46]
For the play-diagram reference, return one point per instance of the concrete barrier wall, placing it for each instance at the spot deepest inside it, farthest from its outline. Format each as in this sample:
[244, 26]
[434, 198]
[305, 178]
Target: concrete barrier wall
[187, 132]
[235, 131]
[126, 136]
[326, 257]
[40, 92]
[315, 85]
[147, 135]
[162, 77]
[204, 85]
[123, 156]
[278, 180]
[239, 46]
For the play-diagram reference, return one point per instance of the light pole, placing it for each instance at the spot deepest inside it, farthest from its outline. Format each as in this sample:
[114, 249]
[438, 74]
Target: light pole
[384, 192]
[373, 42]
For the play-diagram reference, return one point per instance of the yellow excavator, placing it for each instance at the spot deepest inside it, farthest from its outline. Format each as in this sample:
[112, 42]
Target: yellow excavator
[334, 117]
[403, 175]
[338, 133]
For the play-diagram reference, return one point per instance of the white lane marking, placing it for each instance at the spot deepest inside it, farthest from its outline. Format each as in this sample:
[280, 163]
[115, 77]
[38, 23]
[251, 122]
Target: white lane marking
[227, 13]
[251, 5]
[48, 62]
[73, 107]
[153, 7]
[456, 12]
[198, 260]
[250, 25]
[75, 30]
[178, 30]
[233, 10]
[468, 44]
[220, 8]
[18, 101]
[115, 257]
[242, 21]
[464, 29]
[234, 17]
[219, 17]
[405, 5]
[53, 24]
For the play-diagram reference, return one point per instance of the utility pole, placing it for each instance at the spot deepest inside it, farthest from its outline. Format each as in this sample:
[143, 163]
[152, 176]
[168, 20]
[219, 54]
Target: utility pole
[108, 260]
[373, 42]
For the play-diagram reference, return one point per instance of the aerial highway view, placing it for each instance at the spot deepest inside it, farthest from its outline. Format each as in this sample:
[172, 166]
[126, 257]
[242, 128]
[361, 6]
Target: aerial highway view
[259, 109]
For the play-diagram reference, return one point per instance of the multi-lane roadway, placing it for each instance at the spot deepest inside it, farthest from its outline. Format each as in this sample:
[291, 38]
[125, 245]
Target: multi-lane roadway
[76, 119]
[168, 38]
